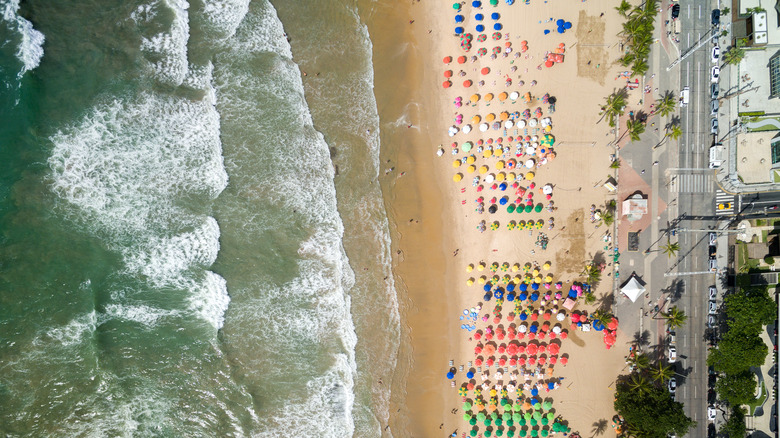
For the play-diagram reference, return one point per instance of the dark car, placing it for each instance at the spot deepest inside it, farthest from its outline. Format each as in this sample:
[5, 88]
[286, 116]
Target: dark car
[711, 396]
[713, 251]
[675, 11]
[716, 17]
[711, 380]
[673, 385]
[714, 91]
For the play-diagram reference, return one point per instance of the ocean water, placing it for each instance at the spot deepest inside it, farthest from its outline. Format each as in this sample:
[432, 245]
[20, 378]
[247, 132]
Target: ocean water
[193, 242]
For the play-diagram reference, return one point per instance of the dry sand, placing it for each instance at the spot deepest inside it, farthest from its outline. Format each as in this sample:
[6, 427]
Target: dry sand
[431, 222]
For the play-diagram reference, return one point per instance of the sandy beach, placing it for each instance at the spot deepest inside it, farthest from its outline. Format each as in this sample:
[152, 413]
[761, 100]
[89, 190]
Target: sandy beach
[435, 222]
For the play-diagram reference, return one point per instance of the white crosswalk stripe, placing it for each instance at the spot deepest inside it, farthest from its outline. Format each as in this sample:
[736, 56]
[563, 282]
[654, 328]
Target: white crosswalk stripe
[728, 202]
[693, 183]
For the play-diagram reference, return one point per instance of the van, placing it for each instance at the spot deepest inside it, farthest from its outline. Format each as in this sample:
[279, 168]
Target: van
[685, 96]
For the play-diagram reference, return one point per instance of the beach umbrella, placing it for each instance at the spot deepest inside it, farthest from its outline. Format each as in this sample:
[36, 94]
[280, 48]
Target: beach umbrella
[446, 84]
[485, 70]
[495, 16]
[479, 17]
[476, 4]
[480, 28]
[458, 30]
[450, 375]
[497, 26]
[564, 360]
[459, 18]
[456, 6]
[473, 432]
[457, 177]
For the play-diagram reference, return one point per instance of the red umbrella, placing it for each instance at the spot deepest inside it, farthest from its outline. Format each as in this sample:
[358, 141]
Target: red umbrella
[520, 361]
[489, 349]
[477, 335]
[542, 360]
[532, 360]
[477, 349]
[447, 59]
[542, 348]
[541, 335]
[470, 386]
[553, 348]
[553, 335]
[532, 349]
[501, 349]
[521, 336]
[512, 349]
[485, 70]
[575, 317]
[448, 74]
[500, 336]
[564, 335]
[502, 361]
[613, 325]
[496, 320]
[545, 326]
[490, 361]
[548, 63]
[531, 335]
[511, 335]
[513, 361]
[461, 59]
[564, 360]
[446, 84]
[478, 361]
[546, 316]
[574, 326]
[553, 359]
[467, 83]
[488, 336]
[534, 316]
[521, 348]
[510, 316]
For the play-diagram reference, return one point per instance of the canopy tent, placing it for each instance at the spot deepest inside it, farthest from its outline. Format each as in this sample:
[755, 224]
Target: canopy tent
[633, 289]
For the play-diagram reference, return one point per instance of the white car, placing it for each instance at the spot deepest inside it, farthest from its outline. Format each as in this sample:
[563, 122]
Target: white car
[715, 76]
[713, 293]
[672, 355]
[715, 55]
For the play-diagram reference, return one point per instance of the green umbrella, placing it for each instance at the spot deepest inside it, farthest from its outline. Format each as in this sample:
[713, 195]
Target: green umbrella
[527, 416]
[522, 422]
[506, 416]
[466, 406]
[550, 416]
[473, 421]
[487, 422]
[487, 432]
[466, 416]
[537, 406]
[456, 6]
[523, 432]
[517, 407]
[545, 421]
[473, 432]
[519, 209]
[494, 415]
[529, 208]
[545, 432]
[534, 432]
[494, 2]
[533, 422]
[538, 416]
[517, 417]
[510, 423]
[538, 208]
[547, 405]
[499, 422]
[510, 208]
[500, 432]
[510, 433]
[481, 416]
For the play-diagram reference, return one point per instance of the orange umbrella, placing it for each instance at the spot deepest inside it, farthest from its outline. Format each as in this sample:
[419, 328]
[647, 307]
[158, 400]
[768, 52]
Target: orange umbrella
[461, 59]
[489, 97]
[504, 115]
[467, 83]
[446, 84]
[502, 96]
[485, 70]
[447, 59]
[448, 74]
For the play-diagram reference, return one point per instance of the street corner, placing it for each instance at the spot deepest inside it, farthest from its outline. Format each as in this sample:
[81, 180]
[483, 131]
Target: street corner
[633, 196]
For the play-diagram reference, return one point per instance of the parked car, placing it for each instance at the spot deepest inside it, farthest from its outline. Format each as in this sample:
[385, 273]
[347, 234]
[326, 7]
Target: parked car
[714, 91]
[675, 11]
[713, 238]
[716, 17]
[715, 55]
[672, 353]
[712, 321]
[714, 107]
[711, 431]
[673, 385]
[713, 251]
[713, 264]
[712, 308]
[715, 74]
[671, 338]
[711, 413]
[713, 293]
[712, 396]
[714, 126]
[712, 379]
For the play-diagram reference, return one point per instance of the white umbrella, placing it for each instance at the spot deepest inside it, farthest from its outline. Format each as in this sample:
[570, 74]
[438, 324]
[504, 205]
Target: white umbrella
[535, 138]
[453, 130]
[521, 124]
[490, 178]
[440, 152]
[533, 122]
[509, 124]
[530, 150]
[546, 121]
[547, 189]
[484, 127]
[529, 164]
[514, 95]
[522, 328]
[467, 129]
[557, 330]
[561, 316]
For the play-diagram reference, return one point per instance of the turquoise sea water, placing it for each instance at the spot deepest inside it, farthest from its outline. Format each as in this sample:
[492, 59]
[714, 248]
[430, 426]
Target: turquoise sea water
[191, 245]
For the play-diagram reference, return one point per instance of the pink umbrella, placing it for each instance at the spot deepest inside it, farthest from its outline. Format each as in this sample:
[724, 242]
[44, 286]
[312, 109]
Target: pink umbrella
[477, 335]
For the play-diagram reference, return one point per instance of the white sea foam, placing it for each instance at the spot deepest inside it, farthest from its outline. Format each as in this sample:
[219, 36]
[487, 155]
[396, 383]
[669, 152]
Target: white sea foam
[226, 15]
[30, 50]
[74, 331]
[166, 51]
[142, 314]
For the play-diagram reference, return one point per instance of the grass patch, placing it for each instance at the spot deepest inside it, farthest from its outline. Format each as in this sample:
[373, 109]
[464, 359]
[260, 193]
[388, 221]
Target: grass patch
[759, 401]
[760, 222]
[775, 176]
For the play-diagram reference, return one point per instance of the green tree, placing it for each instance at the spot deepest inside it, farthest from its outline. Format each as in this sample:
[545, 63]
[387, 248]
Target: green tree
[608, 218]
[725, 10]
[634, 128]
[639, 383]
[675, 132]
[735, 425]
[666, 105]
[734, 56]
[751, 306]
[651, 412]
[661, 373]
[615, 106]
[670, 249]
[592, 273]
[642, 362]
[675, 317]
[623, 8]
[605, 316]
[737, 389]
[738, 350]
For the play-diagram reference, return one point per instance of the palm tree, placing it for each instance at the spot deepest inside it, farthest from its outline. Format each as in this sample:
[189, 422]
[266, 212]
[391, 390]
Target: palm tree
[666, 105]
[670, 249]
[634, 128]
[608, 218]
[639, 383]
[675, 132]
[623, 8]
[675, 317]
[641, 361]
[603, 315]
[734, 55]
[661, 373]
[593, 273]
[614, 107]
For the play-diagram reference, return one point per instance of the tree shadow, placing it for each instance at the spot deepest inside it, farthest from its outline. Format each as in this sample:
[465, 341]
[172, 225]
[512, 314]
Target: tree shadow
[605, 301]
[599, 427]
[674, 290]
[642, 339]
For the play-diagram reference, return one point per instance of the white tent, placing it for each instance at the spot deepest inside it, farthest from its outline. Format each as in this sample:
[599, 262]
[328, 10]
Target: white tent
[633, 289]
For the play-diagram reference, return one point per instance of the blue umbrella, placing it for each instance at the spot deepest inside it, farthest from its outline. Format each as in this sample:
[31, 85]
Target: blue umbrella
[559, 22]
[494, 15]
[523, 317]
[497, 26]
[534, 297]
[450, 375]
[479, 17]
[567, 25]
[598, 325]
[546, 31]
[487, 296]
[458, 30]
[502, 186]
[561, 30]
[533, 329]
[486, 288]
[510, 287]
[510, 2]
[535, 286]
[503, 201]
[459, 18]
[510, 297]
[480, 28]
[498, 294]
[470, 375]
[522, 297]
[523, 288]
[534, 392]
[476, 4]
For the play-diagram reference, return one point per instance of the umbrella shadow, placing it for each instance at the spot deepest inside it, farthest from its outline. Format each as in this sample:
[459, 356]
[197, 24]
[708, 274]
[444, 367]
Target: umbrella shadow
[599, 427]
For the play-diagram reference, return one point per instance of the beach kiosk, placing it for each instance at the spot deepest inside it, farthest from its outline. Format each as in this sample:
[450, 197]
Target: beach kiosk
[633, 289]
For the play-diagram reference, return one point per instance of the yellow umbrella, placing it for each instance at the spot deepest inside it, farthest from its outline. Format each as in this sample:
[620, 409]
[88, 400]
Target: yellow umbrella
[475, 97]
[500, 165]
[456, 163]
[501, 176]
[538, 280]
[471, 159]
[535, 272]
[489, 97]
[546, 266]
[517, 279]
[504, 115]
[511, 176]
[502, 97]
[481, 266]
[499, 151]
[490, 117]
[487, 154]
[471, 169]
[482, 279]
[548, 279]
[547, 128]
[483, 169]
[457, 177]
[516, 267]
[469, 268]
[529, 176]
[469, 282]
